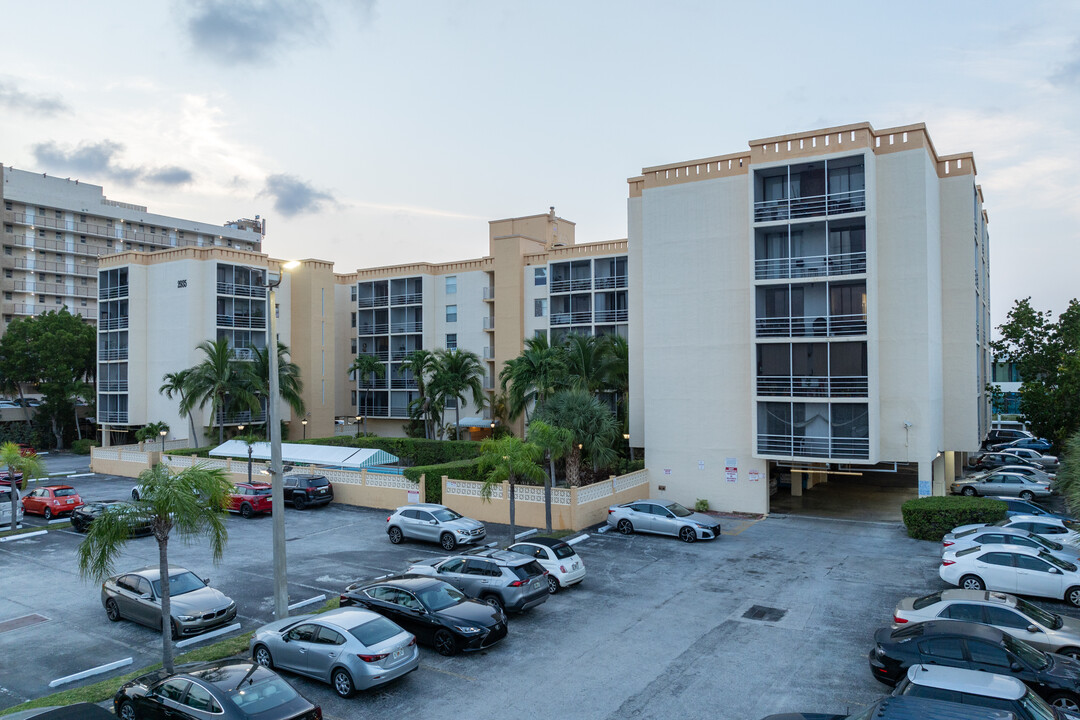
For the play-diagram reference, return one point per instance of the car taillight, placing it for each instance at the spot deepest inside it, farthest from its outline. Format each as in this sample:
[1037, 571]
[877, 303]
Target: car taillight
[610, 511]
[947, 543]
[898, 620]
[318, 713]
[388, 518]
[518, 583]
[344, 600]
[372, 658]
[413, 641]
[948, 562]
[562, 568]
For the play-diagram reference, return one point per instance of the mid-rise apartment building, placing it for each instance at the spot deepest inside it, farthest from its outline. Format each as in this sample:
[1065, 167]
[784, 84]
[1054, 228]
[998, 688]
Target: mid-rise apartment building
[55, 229]
[817, 302]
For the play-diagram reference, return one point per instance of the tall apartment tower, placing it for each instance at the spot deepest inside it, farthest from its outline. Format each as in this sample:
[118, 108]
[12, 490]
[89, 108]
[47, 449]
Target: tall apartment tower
[817, 302]
[55, 229]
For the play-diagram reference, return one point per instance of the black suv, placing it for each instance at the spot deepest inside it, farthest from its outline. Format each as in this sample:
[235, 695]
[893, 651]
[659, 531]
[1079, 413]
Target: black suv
[306, 490]
[1004, 435]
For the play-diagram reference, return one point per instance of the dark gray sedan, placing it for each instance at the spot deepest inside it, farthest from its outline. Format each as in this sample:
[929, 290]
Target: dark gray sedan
[664, 517]
[196, 607]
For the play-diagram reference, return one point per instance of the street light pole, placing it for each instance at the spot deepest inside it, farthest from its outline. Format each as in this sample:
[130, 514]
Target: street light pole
[163, 433]
[304, 423]
[358, 419]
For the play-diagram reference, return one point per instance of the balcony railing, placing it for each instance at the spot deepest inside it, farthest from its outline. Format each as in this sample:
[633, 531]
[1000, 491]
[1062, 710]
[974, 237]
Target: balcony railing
[115, 323]
[401, 354]
[109, 293]
[374, 329]
[112, 417]
[114, 386]
[245, 417]
[244, 353]
[572, 285]
[241, 321]
[610, 281]
[805, 386]
[406, 327]
[227, 288]
[403, 384]
[372, 410]
[489, 323]
[803, 446]
[810, 266]
[572, 318]
[373, 384]
[609, 316]
[374, 301]
[489, 293]
[489, 353]
[113, 354]
[399, 411]
[407, 299]
[810, 326]
[800, 207]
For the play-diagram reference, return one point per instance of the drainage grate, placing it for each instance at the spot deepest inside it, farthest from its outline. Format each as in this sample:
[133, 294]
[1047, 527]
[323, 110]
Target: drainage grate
[765, 614]
[21, 622]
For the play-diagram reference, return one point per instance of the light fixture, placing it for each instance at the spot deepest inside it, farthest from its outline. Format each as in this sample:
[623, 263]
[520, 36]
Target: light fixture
[240, 428]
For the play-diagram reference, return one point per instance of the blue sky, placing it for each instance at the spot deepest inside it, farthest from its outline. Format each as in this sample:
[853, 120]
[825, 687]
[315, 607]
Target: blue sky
[373, 133]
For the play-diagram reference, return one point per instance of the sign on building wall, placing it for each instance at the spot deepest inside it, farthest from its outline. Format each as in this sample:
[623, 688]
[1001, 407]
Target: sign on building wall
[731, 469]
[924, 488]
[754, 475]
[414, 497]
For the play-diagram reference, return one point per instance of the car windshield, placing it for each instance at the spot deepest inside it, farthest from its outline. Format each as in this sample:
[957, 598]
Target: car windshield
[1056, 561]
[1043, 617]
[317, 482]
[965, 533]
[563, 551]
[926, 600]
[260, 491]
[1043, 542]
[441, 597]
[1032, 657]
[679, 510]
[1036, 707]
[179, 584]
[262, 696]
[445, 515]
[1071, 525]
[375, 631]
[64, 492]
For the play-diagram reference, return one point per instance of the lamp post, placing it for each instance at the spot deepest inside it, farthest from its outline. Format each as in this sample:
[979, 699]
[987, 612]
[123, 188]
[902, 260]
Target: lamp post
[626, 437]
[277, 489]
[163, 433]
[358, 419]
[304, 423]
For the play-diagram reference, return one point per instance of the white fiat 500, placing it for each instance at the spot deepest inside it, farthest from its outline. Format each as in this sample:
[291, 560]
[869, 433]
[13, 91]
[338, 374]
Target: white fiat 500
[557, 557]
[1013, 569]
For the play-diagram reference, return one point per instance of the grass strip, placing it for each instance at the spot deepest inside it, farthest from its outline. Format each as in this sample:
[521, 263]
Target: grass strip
[105, 689]
[30, 528]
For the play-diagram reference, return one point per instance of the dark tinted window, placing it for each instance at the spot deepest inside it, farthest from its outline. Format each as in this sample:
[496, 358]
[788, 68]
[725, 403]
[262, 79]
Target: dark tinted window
[260, 491]
[199, 698]
[375, 631]
[172, 689]
[563, 551]
[480, 567]
[423, 516]
[528, 570]
[326, 636]
[65, 492]
[315, 482]
[997, 558]
[965, 612]
[304, 633]
[410, 514]
[948, 648]
[968, 551]
[260, 697]
[129, 582]
[457, 565]
[1003, 617]
[1026, 562]
[987, 654]
[926, 600]
[932, 693]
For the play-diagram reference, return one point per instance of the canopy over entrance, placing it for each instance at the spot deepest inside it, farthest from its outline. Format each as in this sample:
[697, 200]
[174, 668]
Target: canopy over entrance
[298, 453]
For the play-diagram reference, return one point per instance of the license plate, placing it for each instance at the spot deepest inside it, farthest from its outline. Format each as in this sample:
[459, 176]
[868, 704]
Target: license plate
[71, 502]
[399, 653]
[576, 566]
[322, 491]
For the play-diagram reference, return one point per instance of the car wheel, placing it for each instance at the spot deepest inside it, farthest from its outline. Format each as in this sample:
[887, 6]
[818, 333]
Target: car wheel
[246, 511]
[969, 491]
[448, 542]
[971, 582]
[625, 527]
[1072, 596]
[395, 535]
[127, 711]
[112, 610]
[553, 584]
[262, 657]
[687, 534]
[174, 630]
[1071, 652]
[1065, 701]
[299, 501]
[48, 513]
[1027, 495]
[342, 682]
[494, 601]
[134, 493]
[445, 643]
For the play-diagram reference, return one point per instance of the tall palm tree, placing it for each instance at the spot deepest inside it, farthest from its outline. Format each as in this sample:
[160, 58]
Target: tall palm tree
[257, 375]
[554, 442]
[189, 503]
[593, 427]
[421, 363]
[617, 373]
[12, 458]
[509, 459]
[366, 366]
[217, 380]
[586, 361]
[458, 372]
[533, 375]
[175, 383]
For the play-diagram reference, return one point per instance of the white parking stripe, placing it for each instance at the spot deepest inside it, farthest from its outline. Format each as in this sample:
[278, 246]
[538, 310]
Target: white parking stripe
[92, 671]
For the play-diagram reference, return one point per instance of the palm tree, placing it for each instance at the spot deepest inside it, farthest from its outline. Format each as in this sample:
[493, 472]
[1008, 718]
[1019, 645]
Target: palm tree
[555, 442]
[190, 502]
[152, 432]
[421, 363]
[12, 458]
[365, 366]
[216, 380]
[532, 376]
[617, 373]
[586, 360]
[509, 459]
[176, 383]
[593, 427]
[249, 440]
[458, 372]
[257, 375]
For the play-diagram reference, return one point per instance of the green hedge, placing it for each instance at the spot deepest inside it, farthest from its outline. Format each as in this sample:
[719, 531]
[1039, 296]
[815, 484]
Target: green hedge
[197, 452]
[412, 451]
[82, 447]
[930, 518]
[456, 470]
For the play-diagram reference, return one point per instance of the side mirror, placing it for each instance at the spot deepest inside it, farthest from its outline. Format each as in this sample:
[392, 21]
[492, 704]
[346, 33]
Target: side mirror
[433, 522]
[144, 596]
[1054, 571]
[1015, 667]
[1032, 629]
[285, 638]
[206, 580]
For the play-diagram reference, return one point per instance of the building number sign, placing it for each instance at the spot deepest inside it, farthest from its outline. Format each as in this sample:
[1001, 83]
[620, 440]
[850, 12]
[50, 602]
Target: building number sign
[181, 283]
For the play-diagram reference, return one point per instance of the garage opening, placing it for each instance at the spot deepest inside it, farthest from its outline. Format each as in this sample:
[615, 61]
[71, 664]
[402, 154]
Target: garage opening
[849, 492]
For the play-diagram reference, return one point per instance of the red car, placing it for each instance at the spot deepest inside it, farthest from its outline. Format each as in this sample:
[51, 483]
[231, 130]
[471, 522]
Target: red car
[5, 480]
[25, 450]
[51, 501]
[249, 498]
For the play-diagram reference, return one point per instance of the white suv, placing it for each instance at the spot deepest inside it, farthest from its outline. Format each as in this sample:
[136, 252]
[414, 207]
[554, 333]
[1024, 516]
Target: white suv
[433, 523]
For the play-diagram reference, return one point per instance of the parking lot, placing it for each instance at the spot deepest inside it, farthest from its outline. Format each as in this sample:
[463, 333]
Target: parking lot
[775, 616]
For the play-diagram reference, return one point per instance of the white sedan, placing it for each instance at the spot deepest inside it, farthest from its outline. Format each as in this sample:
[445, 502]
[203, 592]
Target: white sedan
[992, 535]
[1062, 531]
[558, 558]
[1012, 569]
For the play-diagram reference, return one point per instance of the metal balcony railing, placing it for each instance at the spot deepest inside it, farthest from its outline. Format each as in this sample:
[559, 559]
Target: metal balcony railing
[802, 446]
[227, 288]
[113, 354]
[403, 384]
[407, 299]
[489, 323]
[813, 386]
[790, 208]
[571, 285]
[397, 328]
[572, 318]
[373, 384]
[373, 301]
[110, 293]
[608, 316]
[811, 326]
[241, 321]
[374, 329]
[810, 266]
[113, 386]
[489, 353]
[115, 323]
[112, 417]
[372, 410]
[489, 293]
[609, 281]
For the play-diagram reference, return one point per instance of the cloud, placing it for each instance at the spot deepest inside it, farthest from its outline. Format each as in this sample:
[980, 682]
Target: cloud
[15, 99]
[250, 31]
[293, 196]
[1068, 72]
[99, 160]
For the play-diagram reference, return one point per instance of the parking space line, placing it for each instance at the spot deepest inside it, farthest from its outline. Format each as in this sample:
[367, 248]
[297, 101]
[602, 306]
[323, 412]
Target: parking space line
[740, 527]
[447, 672]
[92, 671]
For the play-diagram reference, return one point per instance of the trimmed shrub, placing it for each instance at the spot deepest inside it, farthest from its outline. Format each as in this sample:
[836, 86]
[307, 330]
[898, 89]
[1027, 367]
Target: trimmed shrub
[82, 447]
[412, 451]
[456, 470]
[203, 452]
[929, 518]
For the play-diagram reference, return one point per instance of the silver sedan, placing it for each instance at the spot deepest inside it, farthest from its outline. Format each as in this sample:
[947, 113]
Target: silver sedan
[994, 535]
[1001, 483]
[349, 648]
[1044, 629]
[664, 517]
[196, 607]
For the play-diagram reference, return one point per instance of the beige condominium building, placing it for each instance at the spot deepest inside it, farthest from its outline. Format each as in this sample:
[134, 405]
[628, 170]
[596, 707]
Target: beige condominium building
[55, 229]
[815, 304]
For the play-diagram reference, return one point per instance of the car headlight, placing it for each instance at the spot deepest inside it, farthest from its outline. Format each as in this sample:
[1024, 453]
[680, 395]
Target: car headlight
[462, 532]
[466, 629]
[187, 618]
[703, 527]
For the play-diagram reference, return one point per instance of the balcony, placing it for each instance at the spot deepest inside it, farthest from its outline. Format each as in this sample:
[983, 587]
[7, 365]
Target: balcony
[810, 326]
[113, 386]
[119, 418]
[810, 266]
[113, 323]
[113, 354]
[837, 203]
[403, 384]
[489, 323]
[245, 353]
[110, 293]
[609, 281]
[397, 328]
[572, 318]
[407, 299]
[373, 384]
[226, 288]
[572, 285]
[489, 353]
[374, 301]
[372, 410]
[611, 316]
[813, 386]
[244, 418]
[374, 329]
[241, 321]
[804, 446]
[489, 293]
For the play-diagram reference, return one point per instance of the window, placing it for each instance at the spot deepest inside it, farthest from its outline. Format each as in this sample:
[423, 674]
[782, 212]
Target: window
[965, 612]
[451, 313]
[352, 320]
[1003, 617]
[540, 276]
[172, 689]
[987, 654]
[950, 648]
[540, 334]
[7, 296]
[540, 307]
[451, 341]
[329, 637]
[303, 633]
[198, 698]
[452, 566]
[451, 284]
[997, 558]
[353, 345]
[354, 398]
[1026, 562]
[352, 293]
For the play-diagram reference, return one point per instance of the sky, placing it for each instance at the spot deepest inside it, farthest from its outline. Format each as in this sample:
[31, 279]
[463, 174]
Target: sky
[372, 133]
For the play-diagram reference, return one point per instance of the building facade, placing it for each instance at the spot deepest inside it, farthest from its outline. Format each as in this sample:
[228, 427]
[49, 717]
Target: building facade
[819, 302]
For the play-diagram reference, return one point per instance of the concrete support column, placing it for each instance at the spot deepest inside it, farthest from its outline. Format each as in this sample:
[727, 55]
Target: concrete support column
[952, 467]
[796, 483]
[939, 476]
[816, 478]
